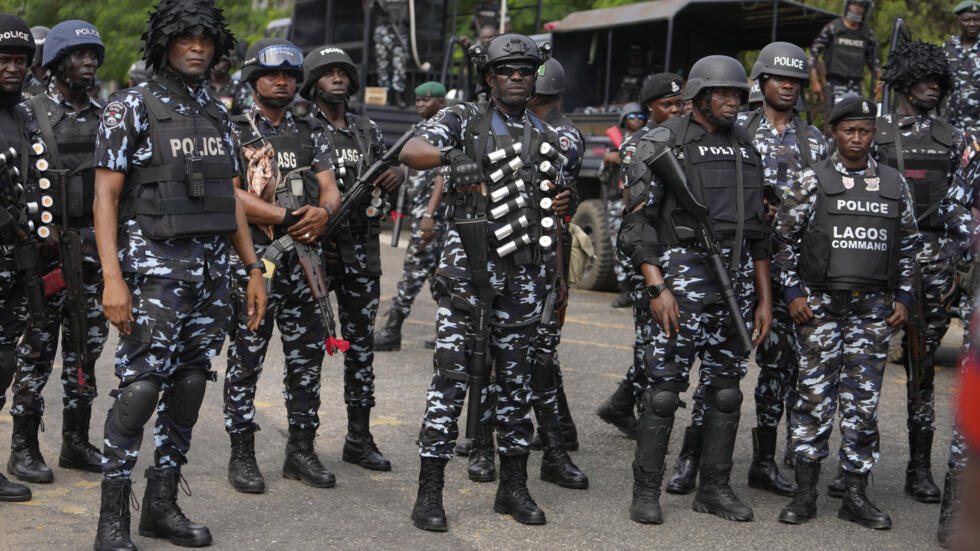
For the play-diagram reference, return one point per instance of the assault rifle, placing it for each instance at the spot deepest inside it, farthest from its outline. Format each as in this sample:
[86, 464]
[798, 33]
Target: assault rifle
[900, 34]
[398, 215]
[17, 231]
[71, 271]
[915, 342]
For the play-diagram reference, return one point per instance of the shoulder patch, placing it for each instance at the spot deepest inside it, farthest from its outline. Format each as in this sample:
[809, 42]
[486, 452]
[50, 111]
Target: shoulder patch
[970, 151]
[564, 142]
[113, 114]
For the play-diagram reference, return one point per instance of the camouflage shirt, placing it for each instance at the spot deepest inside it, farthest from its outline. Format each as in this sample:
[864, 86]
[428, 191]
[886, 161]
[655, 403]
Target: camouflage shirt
[963, 101]
[234, 95]
[352, 157]
[419, 191]
[123, 142]
[826, 37]
[780, 153]
[322, 156]
[961, 199]
[796, 214]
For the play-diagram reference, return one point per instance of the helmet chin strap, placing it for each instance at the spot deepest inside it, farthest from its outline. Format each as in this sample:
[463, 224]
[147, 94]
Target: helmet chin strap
[330, 98]
[273, 103]
[720, 123]
[925, 105]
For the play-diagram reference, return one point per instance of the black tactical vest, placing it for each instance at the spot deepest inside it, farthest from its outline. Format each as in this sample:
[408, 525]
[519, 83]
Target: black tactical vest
[925, 163]
[12, 136]
[709, 163]
[852, 243]
[71, 146]
[186, 189]
[845, 57]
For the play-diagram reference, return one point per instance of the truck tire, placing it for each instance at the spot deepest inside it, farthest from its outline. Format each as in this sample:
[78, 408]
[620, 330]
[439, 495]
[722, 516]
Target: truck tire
[600, 275]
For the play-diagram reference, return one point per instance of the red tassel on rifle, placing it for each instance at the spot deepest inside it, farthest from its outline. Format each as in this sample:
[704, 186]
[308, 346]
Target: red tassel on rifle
[334, 344]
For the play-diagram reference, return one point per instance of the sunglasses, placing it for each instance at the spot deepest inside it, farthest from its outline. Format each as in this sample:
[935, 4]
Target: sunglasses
[524, 69]
[636, 116]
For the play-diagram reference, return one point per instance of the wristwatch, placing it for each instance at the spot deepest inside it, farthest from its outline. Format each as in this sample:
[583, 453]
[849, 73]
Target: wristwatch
[655, 290]
[257, 264]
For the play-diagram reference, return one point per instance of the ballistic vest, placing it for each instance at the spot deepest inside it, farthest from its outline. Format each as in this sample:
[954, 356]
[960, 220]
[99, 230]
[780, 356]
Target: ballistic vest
[845, 57]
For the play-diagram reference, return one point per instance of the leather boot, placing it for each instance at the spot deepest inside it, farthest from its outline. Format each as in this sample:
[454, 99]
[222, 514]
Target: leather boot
[428, 513]
[625, 298]
[26, 462]
[918, 474]
[113, 531]
[947, 509]
[835, 488]
[556, 465]
[688, 461]
[481, 467]
[856, 507]
[513, 497]
[11, 491]
[243, 471]
[302, 462]
[763, 473]
[804, 504]
[715, 495]
[76, 451]
[566, 424]
[390, 336]
[617, 410]
[652, 435]
[464, 446]
[359, 446]
[161, 517]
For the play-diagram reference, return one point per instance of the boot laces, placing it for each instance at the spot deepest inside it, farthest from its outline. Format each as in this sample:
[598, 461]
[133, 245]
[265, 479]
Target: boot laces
[646, 487]
[432, 483]
[244, 455]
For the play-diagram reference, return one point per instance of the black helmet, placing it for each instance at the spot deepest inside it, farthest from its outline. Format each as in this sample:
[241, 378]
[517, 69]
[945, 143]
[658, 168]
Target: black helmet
[318, 61]
[868, 6]
[270, 55]
[551, 78]
[505, 47]
[781, 59]
[16, 35]
[755, 93]
[39, 32]
[716, 71]
[171, 18]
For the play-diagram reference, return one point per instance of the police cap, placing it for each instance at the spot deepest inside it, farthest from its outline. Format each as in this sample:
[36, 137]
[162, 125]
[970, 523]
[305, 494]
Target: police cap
[967, 5]
[431, 89]
[854, 108]
[661, 85]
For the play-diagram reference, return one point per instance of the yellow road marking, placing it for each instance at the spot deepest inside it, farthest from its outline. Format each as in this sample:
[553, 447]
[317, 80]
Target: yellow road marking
[599, 344]
[569, 319]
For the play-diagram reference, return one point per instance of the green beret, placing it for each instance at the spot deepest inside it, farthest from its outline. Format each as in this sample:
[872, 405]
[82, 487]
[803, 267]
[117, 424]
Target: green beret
[967, 5]
[431, 89]
[853, 108]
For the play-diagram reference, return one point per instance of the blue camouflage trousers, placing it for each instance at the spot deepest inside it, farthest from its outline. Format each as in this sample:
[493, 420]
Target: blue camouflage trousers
[515, 315]
[358, 295]
[776, 356]
[842, 360]
[13, 317]
[614, 215]
[36, 352]
[179, 326]
[421, 261]
[289, 304]
[958, 450]
[390, 55]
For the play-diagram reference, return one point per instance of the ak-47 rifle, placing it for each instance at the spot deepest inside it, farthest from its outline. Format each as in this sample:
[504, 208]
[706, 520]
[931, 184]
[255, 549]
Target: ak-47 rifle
[17, 231]
[71, 271]
[915, 343]
[900, 33]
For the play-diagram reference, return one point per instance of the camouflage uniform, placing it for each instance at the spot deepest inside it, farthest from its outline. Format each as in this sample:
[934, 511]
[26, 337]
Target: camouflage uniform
[34, 86]
[848, 327]
[389, 44]
[963, 100]
[180, 288]
[36, 352]
[235, 95]
[840, 88]
[289, 304]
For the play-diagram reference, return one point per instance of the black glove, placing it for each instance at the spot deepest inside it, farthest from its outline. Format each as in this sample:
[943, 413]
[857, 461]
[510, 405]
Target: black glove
[463, 171]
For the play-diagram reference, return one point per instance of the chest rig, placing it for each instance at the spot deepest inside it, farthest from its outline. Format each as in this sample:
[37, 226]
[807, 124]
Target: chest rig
[846, 52]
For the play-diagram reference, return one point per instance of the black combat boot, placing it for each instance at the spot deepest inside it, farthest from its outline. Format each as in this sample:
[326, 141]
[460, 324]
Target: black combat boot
[464, 446]
[947, 509]
[481, 467]
[804, 504]
[26, 462]
[161, 517]
[835, 488]
[76, 451]
[918, 474]
[625, 298]
[513, 497]
[359, 446]
[556, 465]
[763, 473]
[652, 435]
[688, 461]
[566, 424]
[302, 462]
[11, 491]
[617, 410]
[715, 494]
[428, 513]
[390, 336]
[856, 507]
[243, 471]
[113, 531]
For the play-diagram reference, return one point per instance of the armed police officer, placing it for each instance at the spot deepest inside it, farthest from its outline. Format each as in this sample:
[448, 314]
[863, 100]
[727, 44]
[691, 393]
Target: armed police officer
[428, 229]
[667, 234]
[847, 244]
[632, 119]
[21, 293]
[288, 151]
[787, 146]
[848, 45]
[37, 80]
[166, 154]
[329, 78]
[66, 120]
[495, 273]
[963, 50]
[233, 94]
[927, 150]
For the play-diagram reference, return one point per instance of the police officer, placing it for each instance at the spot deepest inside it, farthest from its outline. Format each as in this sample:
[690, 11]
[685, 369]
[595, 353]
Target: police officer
[661, 94]
[632, 118]
[16, 51]
[66, 119]
[291, 149]
[233, 94]
[848, 45]
[927, 150]
[37, 81]
[166, 154]
[846, 249]
[963, 101]
[428, 228]
[518, 273]
[787, 146]
[390, 46]
[632, 83]
[329, 78]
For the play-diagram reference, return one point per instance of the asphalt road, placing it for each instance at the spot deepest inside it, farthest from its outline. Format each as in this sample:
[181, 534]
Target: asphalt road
[369, 510]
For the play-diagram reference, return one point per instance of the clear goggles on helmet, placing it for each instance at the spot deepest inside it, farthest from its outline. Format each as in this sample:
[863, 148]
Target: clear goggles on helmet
[280, 56]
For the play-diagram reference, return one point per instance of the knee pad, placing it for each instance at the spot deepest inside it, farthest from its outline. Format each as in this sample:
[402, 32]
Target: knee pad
[184, 400]
[662, 403]
[727, 400]
[543, 372]
[134, 406]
